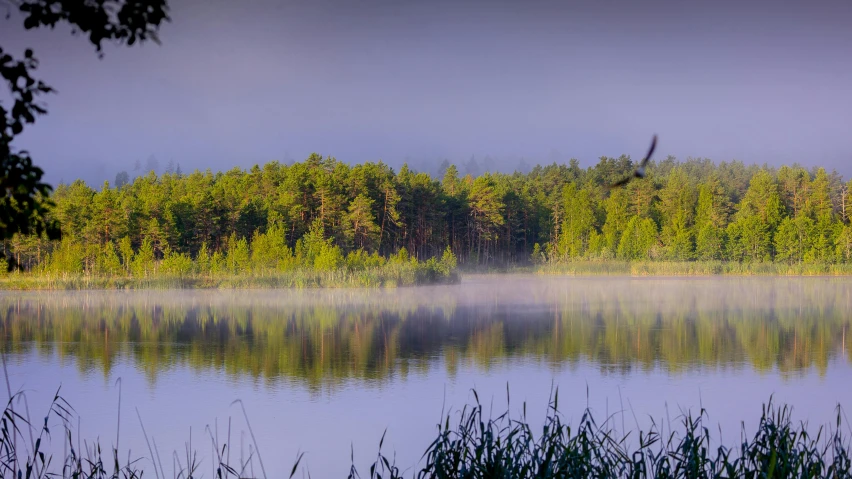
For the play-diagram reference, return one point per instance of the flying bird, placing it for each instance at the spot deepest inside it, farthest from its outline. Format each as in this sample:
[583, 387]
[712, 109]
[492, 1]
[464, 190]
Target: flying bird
[640, 172]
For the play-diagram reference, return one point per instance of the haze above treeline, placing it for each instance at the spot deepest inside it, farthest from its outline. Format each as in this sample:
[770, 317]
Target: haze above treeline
[238, 84]
[473, 165]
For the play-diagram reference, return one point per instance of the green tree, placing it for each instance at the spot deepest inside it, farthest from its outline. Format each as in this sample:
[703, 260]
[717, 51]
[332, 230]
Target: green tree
[486, 214]
[793, 239]
[312, 244]
[760, 212]
[108, 262]
[795, 184]
[127, 253]
[143, 261]
[819, 207]
[639, 239]
[843, 244]
[203, 260]
[364, 232]
[238, 258]
[617, 217]
[710, 243]
[578, 223]
[763, 200]
[676, 211]
[711, 217]
[749, 239]
[269, 251]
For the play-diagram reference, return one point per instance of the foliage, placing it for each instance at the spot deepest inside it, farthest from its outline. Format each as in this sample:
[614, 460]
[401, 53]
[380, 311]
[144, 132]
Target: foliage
[24, 206]
[324, 215]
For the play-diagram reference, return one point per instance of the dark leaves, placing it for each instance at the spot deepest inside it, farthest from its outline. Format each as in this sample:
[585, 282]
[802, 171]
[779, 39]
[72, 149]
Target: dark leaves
[129, 21]
[24, 198]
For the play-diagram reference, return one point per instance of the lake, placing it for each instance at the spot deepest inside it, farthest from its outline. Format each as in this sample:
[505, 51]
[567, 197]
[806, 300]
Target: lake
[326, 372]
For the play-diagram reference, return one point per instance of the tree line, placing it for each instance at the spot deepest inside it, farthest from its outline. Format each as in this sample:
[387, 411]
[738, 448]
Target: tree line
[695, 210]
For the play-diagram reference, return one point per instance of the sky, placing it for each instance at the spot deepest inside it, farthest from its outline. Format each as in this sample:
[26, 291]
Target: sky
[238, 83]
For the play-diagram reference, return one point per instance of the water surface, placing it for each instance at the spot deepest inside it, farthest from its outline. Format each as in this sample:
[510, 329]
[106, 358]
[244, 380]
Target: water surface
[322, 371]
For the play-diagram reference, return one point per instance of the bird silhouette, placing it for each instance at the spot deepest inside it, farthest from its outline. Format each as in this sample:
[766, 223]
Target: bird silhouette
[639, 172]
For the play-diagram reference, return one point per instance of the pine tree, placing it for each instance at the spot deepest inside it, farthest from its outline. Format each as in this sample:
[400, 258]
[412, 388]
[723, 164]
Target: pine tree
[364, 231]
[617, 217]
[578, 223]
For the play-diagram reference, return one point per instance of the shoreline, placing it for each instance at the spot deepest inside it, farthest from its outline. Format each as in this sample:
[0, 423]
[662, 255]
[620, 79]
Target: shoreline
[345, 279]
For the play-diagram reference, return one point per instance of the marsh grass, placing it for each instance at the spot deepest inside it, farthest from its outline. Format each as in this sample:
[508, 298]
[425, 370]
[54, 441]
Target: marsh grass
[476, 445]
[690, 268]
[401, 275]
[388, 276]
[23, 455]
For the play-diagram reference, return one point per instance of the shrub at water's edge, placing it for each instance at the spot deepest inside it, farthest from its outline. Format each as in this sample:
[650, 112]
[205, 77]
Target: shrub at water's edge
[246, 268]
[613, 267]
[687, 268]
[478, 446]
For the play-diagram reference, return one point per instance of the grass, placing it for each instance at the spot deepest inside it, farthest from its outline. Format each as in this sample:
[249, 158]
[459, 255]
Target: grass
[399, 275]
[690, 268]
[380, 277]
[475, 446]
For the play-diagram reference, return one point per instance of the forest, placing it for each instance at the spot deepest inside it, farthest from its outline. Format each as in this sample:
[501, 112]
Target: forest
[322, 214]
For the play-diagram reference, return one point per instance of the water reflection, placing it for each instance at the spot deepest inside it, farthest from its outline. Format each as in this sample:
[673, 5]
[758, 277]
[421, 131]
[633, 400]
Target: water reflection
[322, 338]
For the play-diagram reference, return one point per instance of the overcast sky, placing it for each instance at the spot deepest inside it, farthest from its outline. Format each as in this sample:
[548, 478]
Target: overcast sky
[236, 83]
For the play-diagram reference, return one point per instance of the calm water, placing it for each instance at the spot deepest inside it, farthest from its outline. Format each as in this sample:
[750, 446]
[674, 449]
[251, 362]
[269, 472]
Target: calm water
[322, 371]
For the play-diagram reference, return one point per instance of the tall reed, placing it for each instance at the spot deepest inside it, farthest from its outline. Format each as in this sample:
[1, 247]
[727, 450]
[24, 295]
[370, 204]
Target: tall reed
[474, 446]
[689, 268]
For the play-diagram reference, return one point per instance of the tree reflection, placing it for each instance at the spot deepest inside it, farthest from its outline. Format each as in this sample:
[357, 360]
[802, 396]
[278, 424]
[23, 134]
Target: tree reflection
[322, 339]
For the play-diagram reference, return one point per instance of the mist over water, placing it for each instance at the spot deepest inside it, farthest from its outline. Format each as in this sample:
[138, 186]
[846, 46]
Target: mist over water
[322, 370]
